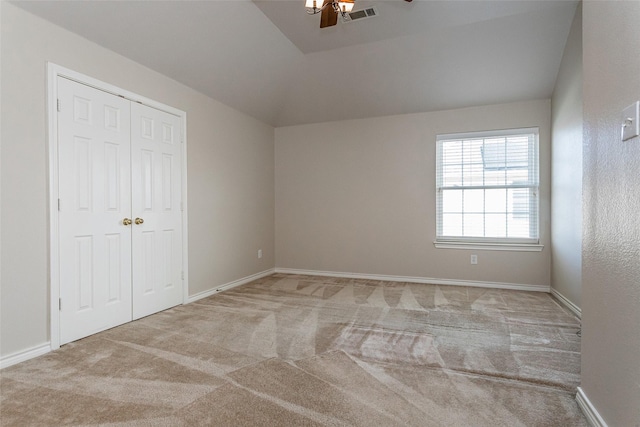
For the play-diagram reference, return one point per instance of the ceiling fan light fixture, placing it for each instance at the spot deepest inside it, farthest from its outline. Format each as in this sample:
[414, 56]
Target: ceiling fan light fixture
[346, 5]
[338, 6]
[313, 4]
[330, 10]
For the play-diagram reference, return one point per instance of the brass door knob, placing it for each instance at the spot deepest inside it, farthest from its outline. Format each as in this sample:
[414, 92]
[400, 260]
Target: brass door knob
[126, 221]
[139, 221]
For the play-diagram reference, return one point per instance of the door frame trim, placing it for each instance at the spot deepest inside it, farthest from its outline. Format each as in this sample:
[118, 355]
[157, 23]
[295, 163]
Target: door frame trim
[53, 72]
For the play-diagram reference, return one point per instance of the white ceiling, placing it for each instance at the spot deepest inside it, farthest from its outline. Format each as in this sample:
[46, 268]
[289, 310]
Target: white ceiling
[271, 60]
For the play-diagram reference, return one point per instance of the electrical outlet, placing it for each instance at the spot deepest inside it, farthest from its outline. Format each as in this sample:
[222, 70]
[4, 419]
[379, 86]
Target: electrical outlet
[259, 253]
[474, 259]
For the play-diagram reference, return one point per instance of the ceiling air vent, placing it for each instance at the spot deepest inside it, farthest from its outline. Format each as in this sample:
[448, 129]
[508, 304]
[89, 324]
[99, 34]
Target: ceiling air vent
[357, 15]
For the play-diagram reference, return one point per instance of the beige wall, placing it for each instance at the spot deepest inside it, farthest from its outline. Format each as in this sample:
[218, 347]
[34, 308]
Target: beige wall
[566, 169]
[611, 239]
[358, 196]
[230, 176]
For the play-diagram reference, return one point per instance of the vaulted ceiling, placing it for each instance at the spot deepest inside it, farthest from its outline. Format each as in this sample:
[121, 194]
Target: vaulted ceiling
[271, 60]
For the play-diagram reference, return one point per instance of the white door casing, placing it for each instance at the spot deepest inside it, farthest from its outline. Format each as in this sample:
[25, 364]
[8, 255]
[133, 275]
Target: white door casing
[156, 200]
[98, 184]
[94, 198]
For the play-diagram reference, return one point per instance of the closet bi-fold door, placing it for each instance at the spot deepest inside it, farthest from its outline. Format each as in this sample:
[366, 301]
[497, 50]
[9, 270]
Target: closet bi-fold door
[120, 210]
[156, 210]
[94, 170]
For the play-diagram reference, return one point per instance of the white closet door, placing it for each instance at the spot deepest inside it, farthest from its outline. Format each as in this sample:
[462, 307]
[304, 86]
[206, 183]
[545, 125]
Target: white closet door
[95, 198]
[156, 199]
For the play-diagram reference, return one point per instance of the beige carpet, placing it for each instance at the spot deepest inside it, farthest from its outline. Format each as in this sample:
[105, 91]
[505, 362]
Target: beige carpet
[299, 350]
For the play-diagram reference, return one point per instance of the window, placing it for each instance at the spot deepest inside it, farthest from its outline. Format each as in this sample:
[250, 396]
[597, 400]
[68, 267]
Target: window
[487, 189]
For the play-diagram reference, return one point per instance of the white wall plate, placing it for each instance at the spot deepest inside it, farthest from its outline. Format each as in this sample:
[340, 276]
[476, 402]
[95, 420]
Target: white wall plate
[631, 121]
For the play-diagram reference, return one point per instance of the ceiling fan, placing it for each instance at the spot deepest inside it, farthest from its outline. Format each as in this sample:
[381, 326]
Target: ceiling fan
[330, 10]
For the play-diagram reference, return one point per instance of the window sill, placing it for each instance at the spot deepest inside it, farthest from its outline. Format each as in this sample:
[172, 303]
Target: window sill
[514, 247]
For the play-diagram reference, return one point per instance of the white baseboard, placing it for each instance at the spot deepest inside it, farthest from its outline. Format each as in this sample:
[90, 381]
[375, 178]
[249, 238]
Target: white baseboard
[24, 355]
[590, 411]
[565, 301]
[428, 280]
[230, 285]
[39, 350]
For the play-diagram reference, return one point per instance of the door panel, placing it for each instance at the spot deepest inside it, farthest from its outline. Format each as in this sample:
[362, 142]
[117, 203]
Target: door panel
[156, 194]
[95, 196]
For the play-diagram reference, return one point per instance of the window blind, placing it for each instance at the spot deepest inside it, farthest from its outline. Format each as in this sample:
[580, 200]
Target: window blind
[487, 186]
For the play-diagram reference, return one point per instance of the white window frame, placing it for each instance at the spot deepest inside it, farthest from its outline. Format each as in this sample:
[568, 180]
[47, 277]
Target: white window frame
[488, 243]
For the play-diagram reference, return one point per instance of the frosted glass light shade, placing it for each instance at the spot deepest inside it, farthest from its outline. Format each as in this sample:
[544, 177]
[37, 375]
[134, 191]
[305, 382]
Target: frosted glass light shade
[309, 4]
[346, 6]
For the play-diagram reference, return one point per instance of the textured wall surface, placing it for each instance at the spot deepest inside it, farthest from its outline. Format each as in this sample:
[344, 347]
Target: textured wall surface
[359, 196]
[230, 176]
[566, 169]
[611, 240]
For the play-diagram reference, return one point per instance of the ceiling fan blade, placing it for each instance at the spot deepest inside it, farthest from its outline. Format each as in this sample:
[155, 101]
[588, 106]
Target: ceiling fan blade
[329, 16]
